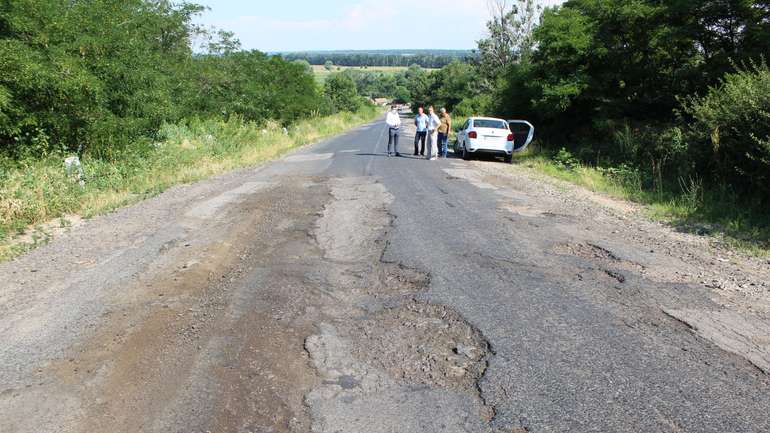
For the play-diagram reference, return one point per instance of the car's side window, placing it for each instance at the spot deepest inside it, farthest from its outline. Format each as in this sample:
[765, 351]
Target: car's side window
[467, 124]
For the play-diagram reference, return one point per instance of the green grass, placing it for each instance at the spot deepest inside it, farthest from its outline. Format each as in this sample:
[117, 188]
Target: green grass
[689, 206]
[321, 73]
[35, 192]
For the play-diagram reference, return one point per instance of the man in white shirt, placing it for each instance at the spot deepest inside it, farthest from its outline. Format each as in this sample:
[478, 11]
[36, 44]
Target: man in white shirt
[394, 126]
[433, 123]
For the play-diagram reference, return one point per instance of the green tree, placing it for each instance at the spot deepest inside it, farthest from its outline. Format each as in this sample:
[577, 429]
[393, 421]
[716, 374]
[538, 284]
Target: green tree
[619, 59]
[340, 91]
[606, 76]
[305, 64]
[453, 84]
[562, 60]
[101, 76]
[252, 85]
[509, 36]
[92, 75]
[417, 81]
[730, 31]
[222, 43]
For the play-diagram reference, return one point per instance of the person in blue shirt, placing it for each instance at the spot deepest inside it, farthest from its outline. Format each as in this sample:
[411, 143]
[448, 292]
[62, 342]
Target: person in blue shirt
[421, 122]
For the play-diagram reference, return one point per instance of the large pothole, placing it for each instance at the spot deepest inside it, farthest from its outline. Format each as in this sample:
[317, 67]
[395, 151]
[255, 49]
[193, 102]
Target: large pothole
[376, 371]
[397, 280]
[419, 343]
[596, 253]
[587, 251]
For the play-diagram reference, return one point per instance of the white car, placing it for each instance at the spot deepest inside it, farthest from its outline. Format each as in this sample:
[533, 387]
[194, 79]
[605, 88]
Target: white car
[493, 136]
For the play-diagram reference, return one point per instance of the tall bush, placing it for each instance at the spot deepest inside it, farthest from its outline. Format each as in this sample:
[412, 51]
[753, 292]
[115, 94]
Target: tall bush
[729, 132]
[100, 77]
[341, 93]
[252, 85]
[91, 75]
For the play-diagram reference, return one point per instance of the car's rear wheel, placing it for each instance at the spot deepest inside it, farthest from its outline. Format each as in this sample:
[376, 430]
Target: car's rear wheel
[466, 154]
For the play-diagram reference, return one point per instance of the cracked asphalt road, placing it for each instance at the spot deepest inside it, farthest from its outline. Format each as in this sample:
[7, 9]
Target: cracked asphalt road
[338, 290]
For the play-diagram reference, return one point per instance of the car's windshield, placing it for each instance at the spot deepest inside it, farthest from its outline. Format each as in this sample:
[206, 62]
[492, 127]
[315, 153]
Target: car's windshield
[488, 123]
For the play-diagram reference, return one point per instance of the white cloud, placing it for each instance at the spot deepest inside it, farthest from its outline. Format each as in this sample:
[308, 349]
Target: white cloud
[356, 17]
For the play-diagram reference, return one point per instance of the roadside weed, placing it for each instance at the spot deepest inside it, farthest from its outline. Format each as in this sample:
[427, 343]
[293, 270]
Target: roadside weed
[689, 205]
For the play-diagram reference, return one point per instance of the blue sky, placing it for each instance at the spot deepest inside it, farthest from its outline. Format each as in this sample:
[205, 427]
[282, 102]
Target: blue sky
[296, 25]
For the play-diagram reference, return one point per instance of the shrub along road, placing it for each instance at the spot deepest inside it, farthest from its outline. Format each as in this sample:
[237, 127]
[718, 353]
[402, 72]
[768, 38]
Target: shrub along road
[340, 290]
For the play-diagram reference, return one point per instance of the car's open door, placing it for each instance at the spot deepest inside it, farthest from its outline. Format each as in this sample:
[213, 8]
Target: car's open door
[523, 133]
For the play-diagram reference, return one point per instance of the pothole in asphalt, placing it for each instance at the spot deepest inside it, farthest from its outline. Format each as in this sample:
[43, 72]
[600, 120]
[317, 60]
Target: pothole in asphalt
[376, 287]
[589, 251]
[557, 216]
[425, 344]
[586, 251]
[533, 212]
[400, 280]
[525, 211]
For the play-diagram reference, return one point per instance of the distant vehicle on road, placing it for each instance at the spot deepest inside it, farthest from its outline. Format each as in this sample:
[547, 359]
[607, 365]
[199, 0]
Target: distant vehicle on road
[488, 135]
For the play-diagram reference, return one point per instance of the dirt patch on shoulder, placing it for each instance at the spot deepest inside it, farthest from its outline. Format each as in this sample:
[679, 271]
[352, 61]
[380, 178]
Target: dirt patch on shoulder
[423, 344]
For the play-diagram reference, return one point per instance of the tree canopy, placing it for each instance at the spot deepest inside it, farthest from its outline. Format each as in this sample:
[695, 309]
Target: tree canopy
[101, 76]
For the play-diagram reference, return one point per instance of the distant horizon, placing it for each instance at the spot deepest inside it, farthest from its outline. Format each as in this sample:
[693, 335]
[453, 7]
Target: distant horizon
[377, 50]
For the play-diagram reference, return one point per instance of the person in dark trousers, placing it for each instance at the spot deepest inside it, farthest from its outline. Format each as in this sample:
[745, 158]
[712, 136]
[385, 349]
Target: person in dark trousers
[443, 133]
[421, 122]
[394, 126]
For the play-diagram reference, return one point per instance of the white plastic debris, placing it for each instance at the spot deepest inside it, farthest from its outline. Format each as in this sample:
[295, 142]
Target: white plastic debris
[75, 170]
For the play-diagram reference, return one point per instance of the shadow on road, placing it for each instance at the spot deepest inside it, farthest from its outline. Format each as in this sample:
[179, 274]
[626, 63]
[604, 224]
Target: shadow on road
[385, 155]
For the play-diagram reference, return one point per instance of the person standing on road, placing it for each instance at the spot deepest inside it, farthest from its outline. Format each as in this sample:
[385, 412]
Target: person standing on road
[433, 123]
[421, 122]
[394, 127]
[443, 133]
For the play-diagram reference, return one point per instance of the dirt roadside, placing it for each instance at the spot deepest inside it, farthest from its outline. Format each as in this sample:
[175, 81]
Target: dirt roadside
[619, 239]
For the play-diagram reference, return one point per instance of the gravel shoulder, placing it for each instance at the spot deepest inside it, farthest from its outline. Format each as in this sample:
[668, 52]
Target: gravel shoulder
[737, 283]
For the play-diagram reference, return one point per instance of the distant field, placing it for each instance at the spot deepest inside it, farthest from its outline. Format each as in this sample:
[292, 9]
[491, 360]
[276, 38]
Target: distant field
[321, 72]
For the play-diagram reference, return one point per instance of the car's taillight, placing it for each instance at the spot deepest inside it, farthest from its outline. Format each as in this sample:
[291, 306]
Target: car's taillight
[510, 137]
[472, 134]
